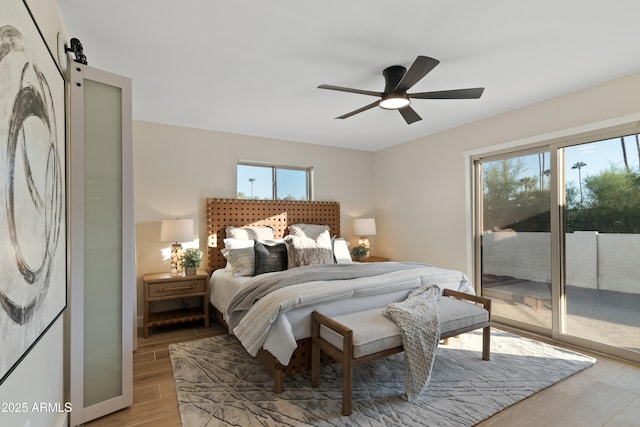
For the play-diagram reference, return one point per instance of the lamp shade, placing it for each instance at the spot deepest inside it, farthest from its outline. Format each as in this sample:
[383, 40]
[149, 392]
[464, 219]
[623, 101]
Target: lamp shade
[365, 227]
[176, 230]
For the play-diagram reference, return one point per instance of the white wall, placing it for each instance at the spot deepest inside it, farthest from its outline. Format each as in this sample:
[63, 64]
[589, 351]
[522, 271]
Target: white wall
[38, 379]
[40, 375]
[517, 254]
[177, 169]
[604, 261]
[420, 199]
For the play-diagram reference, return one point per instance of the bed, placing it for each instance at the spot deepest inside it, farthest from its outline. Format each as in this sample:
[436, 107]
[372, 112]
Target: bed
[277, 329]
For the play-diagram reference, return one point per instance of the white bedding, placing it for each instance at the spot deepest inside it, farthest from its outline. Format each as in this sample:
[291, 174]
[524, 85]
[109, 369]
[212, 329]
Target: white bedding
[276, 321]
[223, 285]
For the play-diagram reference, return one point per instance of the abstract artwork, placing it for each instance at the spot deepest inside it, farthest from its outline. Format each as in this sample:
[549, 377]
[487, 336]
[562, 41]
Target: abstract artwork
[33, 289]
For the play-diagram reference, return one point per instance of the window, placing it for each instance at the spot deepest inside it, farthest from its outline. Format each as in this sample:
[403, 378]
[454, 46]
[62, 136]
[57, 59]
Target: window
[264, 182]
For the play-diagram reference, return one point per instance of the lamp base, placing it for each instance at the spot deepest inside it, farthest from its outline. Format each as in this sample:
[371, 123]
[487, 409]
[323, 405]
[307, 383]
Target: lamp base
[364, 241]
[176, 260]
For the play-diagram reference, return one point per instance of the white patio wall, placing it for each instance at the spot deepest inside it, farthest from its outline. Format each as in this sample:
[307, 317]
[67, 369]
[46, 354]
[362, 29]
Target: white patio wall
[594, 260]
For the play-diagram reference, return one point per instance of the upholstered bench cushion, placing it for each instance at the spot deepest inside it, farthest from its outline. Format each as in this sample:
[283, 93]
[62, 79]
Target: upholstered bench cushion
[458, 316]
[372, 332]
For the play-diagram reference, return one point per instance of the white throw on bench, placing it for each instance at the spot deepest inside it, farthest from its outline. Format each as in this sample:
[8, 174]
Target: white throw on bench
[356, 338]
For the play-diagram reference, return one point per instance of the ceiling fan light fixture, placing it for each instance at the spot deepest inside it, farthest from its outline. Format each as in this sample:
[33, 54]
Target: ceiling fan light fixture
[394, 102]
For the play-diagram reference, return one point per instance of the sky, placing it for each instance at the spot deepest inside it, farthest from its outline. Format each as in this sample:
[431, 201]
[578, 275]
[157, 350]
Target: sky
[598, 156]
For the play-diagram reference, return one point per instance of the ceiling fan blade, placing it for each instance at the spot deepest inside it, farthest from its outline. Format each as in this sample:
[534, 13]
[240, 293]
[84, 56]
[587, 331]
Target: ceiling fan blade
[348, 89]
[409, 115]
[359, 110]
[420, 68]
[472, 93]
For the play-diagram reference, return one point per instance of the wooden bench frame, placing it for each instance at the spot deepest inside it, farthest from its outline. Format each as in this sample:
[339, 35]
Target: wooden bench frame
[345, 356]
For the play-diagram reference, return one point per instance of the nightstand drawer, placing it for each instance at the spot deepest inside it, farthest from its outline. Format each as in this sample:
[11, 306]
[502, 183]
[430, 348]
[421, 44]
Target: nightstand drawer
[175, 288]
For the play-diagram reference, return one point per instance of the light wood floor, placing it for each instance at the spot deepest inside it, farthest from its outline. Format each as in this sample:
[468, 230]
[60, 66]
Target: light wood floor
[154, 394]
[607, 394]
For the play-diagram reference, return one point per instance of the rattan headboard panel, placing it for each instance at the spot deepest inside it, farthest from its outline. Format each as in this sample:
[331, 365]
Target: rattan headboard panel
[278, 214]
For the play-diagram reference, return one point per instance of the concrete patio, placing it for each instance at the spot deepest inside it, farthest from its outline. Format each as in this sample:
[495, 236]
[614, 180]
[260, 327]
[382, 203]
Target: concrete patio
[609, 317]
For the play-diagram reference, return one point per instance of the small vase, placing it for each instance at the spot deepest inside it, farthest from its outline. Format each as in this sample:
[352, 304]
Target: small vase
[190, 271]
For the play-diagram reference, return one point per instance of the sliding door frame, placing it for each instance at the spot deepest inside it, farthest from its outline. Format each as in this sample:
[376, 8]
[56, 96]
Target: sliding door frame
[478, 227]
[554, 142]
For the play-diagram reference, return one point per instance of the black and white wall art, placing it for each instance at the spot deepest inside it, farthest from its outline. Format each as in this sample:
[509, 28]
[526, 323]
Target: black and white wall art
[32, 186]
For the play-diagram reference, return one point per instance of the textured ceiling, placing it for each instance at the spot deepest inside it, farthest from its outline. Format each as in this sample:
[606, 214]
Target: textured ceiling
[253, 67]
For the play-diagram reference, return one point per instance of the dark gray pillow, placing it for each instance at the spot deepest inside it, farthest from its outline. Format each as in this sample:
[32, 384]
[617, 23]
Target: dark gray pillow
[269, 258]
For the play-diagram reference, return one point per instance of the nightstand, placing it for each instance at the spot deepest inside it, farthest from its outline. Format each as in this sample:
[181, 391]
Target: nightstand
[374, 259]
[164, 286]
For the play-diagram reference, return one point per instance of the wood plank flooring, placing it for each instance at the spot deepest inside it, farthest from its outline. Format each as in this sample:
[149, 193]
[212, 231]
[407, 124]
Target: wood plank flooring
[607, 394]
[154, 393]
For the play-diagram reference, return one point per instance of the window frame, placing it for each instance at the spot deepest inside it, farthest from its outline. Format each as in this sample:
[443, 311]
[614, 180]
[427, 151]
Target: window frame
[274, 180]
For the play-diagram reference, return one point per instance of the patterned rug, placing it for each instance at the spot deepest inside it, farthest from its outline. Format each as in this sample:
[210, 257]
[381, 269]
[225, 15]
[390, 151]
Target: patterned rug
[219, 384]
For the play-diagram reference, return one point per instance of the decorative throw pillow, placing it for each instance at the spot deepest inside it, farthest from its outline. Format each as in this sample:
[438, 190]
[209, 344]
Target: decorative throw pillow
[242, 260]
[341, 251]
[312, 231]
[305, 251]
[269, 258]
[250, 232]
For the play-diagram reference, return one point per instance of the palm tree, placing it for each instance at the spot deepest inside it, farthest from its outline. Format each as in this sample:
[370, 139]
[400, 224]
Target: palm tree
[624, 154]
[638, 149]
[541, 169]
[528, 183]
[579, 166]
[251, 181]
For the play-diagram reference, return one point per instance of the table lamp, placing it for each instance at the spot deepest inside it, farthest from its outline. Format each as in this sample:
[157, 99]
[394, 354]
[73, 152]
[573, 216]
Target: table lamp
[176, 231]
[365, 227]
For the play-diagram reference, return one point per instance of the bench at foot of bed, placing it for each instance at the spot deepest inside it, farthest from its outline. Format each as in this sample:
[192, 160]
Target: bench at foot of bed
[356, 338]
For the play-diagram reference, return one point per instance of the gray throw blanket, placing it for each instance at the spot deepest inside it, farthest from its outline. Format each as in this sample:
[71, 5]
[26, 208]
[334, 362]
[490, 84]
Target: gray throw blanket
[266, 283]
[418, 318]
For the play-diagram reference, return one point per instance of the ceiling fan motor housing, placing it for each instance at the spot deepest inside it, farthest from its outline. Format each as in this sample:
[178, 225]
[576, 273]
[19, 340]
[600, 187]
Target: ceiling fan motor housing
[392, 76]
[393, 99]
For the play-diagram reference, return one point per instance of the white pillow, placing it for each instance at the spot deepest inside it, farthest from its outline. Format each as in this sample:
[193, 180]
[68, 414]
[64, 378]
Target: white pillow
[242, 260]
[312, 231]
[250, 233]
[238, 243]
[341, 251]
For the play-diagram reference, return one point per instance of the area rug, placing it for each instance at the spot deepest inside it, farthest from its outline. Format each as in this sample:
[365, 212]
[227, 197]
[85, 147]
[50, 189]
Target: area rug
[219, 384]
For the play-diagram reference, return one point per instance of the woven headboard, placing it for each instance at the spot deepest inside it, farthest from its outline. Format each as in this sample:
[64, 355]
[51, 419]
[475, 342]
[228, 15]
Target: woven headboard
[278, 214]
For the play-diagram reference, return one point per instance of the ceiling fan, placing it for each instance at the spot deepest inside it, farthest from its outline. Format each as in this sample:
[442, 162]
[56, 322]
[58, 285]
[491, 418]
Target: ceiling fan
[397, 81]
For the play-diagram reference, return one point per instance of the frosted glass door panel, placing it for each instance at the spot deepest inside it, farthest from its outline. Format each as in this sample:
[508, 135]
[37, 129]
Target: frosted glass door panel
[103, 242]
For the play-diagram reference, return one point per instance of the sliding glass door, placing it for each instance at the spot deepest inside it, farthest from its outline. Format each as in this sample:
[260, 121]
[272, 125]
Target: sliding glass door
[602, 220]
[516, 245]
[558, 239]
